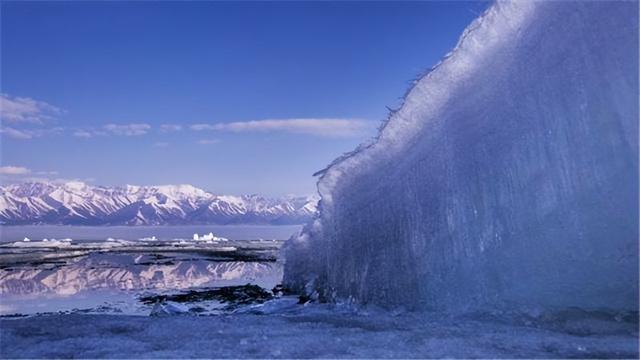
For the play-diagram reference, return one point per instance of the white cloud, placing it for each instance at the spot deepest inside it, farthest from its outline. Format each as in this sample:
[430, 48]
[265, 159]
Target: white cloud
[14, 170]
[22, 174]
[113, 129]
[128, 129]
[83, 133]
[200, 127]
[49, 179]
[27, 110]
[15, 133]
[26, 134]
[208, 141]
[329, 127]
[21, 111]
[89, 133]
[170, 127]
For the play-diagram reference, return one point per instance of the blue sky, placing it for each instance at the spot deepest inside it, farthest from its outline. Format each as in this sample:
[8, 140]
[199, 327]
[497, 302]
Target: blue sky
[228, 96]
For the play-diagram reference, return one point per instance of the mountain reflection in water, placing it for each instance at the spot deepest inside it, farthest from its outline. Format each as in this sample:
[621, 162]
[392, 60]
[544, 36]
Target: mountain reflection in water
[93, 279]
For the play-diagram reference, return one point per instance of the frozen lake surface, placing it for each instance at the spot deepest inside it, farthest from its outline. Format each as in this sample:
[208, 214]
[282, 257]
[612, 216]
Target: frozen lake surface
[233, 232]
[92, 275]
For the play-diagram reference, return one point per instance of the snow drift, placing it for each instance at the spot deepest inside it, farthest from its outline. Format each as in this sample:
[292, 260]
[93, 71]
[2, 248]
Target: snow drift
[509, 176]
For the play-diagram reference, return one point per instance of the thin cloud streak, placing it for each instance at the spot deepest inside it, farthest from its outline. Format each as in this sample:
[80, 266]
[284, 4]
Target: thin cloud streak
[328, 127]
[14, 170]
[83, 134]
[170, 127]
[15, 133]
[113, 129]
[208, 141]
[27, 134]
[26, 110]
[128, 129]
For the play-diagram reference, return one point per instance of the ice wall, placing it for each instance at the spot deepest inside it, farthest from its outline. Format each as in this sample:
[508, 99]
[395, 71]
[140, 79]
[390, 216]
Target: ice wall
[509, 176]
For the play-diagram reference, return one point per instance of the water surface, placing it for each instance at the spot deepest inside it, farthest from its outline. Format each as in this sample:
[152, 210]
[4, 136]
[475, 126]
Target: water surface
[233, 232]
[92, 274]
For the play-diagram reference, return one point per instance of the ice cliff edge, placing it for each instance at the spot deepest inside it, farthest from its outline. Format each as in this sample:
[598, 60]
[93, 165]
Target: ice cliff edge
[509, 176]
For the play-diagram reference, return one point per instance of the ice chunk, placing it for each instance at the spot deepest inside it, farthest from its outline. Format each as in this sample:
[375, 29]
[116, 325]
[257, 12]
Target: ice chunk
[45, 243]
[275, 306]
[208, 237]
[168, 308]
[509, 176]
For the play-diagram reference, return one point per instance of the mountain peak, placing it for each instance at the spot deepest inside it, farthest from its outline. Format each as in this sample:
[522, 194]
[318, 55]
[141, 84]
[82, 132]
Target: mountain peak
[182, 190]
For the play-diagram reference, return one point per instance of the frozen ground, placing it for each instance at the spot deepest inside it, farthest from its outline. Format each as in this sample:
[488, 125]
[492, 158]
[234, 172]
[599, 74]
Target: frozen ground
[283, 329]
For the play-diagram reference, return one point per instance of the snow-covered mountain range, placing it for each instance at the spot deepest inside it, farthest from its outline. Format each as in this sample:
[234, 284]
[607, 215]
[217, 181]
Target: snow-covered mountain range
[77, 203]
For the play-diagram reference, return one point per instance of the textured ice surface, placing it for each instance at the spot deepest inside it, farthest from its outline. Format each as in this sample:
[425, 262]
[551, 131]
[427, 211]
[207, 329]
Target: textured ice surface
[508, 177]
[316, 332]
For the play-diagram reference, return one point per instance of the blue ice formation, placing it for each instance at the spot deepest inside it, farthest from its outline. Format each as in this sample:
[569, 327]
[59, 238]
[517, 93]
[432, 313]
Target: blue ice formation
[509, 176]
